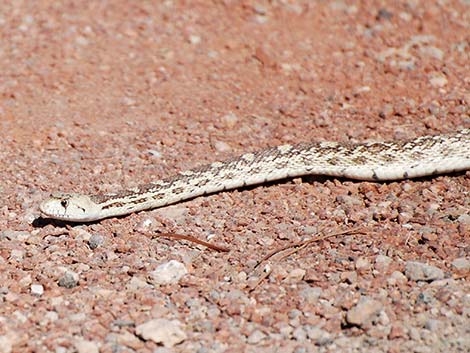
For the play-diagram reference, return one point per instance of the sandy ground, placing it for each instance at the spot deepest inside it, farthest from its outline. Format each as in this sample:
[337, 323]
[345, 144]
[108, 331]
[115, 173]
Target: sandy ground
[110, 94]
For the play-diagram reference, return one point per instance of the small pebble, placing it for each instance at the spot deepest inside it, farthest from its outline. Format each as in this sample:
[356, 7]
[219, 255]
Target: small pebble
[432, 52]
[294, 314]
[285, 330]
[433, 325]
[129, 340]
[299, 334]
[154, 153]
[169, 272]
[384, 14]
[428, 234]
[386, 111]
[256, 337]
[309, 230]
[349, 277]
[349, 201]
[438, 80]
[314, 333]
[296, 275]
[194, 39]
[364, 312]
[6, 344]
[461, 264]
[230, 120]
[37, 289]
[82, 234]
[383, 319]
[25, 281]
[129, 101]
[177, 213]
[136, 283]
[382, 262]
[167, 332]
[221, 146]
[83, 346]
[14, 235]
[397, 278]
[417, 271]
[95, 241]
[145, 225]
[464, 218]
[362, 263]
[397, 330]
[424, 298]
[69, 280]
[17, 255]
[51, 316]
[405, 16]
[311, 294]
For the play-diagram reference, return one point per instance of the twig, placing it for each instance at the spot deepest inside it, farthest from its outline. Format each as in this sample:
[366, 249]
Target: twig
[192, 239]
[302, 244]
[296, 247]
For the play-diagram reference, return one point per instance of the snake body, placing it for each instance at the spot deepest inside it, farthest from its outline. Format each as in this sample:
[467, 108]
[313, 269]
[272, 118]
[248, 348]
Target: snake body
[376, 161]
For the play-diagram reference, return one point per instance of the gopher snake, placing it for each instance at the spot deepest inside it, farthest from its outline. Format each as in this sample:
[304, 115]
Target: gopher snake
[427, 155]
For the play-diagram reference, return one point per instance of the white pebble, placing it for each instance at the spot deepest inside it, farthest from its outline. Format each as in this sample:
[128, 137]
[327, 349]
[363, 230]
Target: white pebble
[230, 120]
[37, 289]
[169, 272]
[256, 337]
[417, 271]
[17, 255]
[296, 274]
[397, 278]
[438, 80]
[154, 153]
[194, 39]
[362, 263]
[221, 146]
[364, 312]
[382, 262]
[83, 346]
[166, 332]
[6, 344]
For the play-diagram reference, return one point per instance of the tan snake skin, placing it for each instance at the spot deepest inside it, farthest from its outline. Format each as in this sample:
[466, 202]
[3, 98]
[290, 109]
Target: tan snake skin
[379, 161]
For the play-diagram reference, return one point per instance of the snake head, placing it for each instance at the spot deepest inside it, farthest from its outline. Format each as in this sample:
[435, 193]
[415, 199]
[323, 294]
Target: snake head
[70, 207]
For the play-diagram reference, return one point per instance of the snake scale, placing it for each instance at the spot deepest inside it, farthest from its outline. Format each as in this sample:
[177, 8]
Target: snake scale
[376, 161]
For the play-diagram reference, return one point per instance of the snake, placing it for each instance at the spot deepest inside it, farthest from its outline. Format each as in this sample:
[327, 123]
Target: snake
[369, 161]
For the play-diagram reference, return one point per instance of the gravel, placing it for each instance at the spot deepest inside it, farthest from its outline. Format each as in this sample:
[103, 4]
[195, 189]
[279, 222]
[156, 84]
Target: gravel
[96, 98]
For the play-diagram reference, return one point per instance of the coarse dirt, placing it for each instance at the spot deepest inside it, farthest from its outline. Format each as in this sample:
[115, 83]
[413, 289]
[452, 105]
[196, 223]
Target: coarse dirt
[100, 95]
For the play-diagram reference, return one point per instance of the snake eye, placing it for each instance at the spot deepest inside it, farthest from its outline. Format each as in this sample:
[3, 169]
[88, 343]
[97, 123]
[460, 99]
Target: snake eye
[64, 203]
